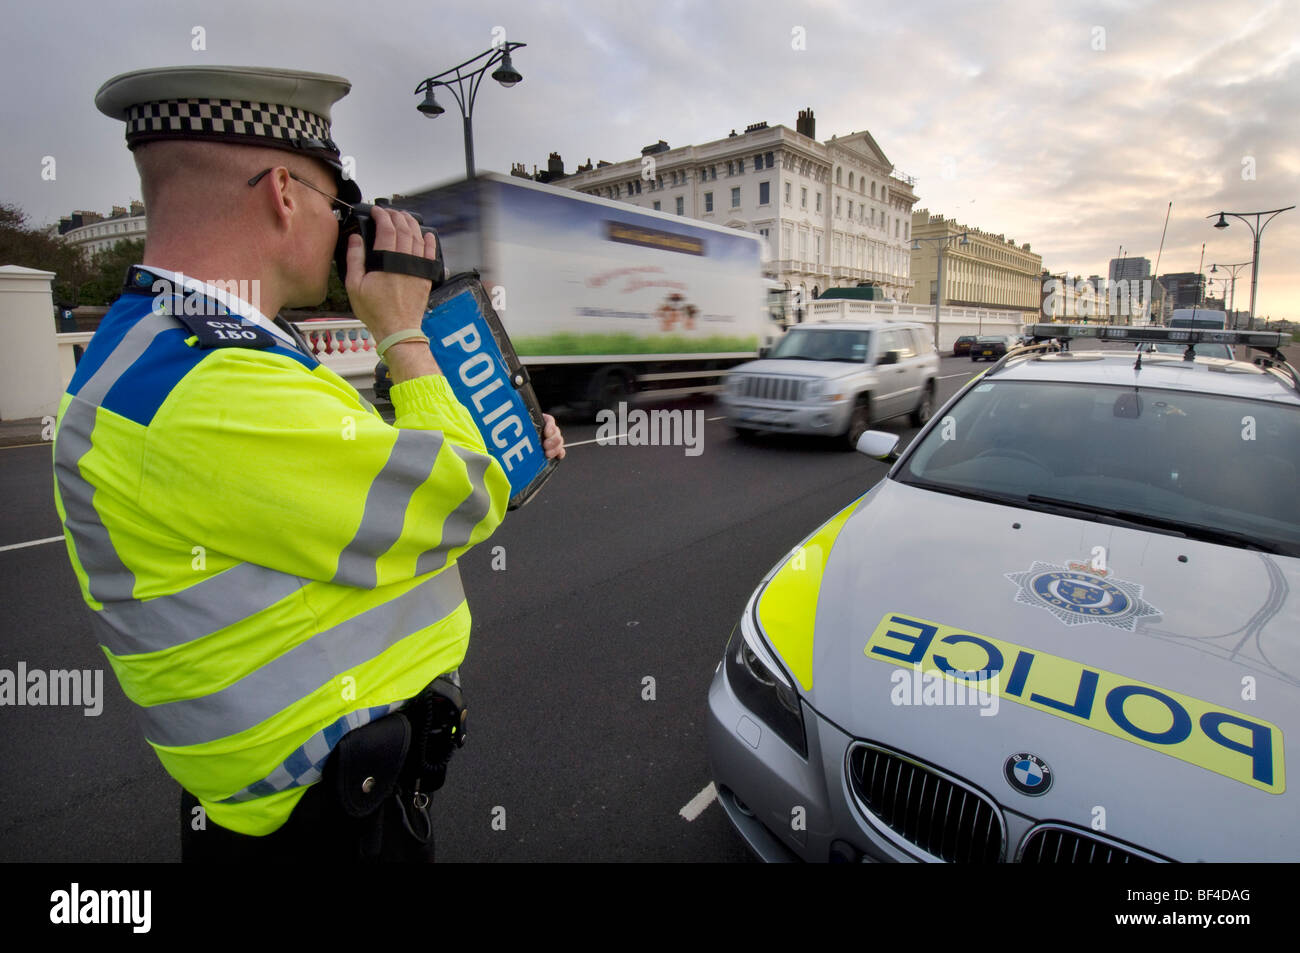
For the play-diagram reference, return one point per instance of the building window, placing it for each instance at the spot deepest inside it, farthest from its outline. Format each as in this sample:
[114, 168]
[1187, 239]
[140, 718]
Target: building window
[771, 159]
[873, 190]
[657, 207]
[819, 249]
[837, 206]
[839, 176]
[708, 201]
[907, 231]
[638, 186]
[895, 228]
[787, 193]
[819, 201]
[758, 161]
[850, 180]
[681, 205]
[735, 198]
[764, 193]
[731, 168]
[803, 198]
[850, 208]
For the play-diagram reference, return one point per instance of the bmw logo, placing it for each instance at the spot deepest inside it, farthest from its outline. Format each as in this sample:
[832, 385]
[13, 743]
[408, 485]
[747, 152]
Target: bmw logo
[1028, 774]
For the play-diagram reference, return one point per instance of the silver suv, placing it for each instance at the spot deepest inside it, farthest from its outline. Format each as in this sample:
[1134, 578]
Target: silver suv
[836, 379]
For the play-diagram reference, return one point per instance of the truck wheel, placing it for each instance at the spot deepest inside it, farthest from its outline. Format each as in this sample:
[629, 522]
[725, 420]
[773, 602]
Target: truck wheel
[921, 415]
[609, 388]
[859, 423]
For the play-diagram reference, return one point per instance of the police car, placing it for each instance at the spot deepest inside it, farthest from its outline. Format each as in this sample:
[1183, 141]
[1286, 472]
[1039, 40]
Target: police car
[1064, 627]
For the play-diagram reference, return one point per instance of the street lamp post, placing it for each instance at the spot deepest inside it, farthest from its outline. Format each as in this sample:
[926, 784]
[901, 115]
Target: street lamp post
[464, 89]
[1232, 290]
[942, 242]
[1256, 229]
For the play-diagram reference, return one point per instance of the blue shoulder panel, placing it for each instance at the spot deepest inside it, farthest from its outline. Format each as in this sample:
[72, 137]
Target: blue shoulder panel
[140, 391]
[119, 319]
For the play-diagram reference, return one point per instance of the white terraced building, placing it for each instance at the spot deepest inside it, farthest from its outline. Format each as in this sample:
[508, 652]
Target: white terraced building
[833, 213]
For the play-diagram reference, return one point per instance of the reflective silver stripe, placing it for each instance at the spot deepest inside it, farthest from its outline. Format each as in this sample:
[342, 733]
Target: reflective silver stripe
[292, 676]
[107, 576]
[134, 627]
[408, 467]
[460, 522]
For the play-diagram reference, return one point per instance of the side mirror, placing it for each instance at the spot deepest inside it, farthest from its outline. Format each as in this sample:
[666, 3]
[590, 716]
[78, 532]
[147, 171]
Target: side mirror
[889, 357]
[878, 444]
[763, 351]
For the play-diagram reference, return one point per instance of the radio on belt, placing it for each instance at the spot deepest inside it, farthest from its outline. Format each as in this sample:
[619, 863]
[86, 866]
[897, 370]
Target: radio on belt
[475, 353]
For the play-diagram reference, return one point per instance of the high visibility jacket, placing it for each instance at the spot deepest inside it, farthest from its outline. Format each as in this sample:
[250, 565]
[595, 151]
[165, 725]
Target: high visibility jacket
[269, 563]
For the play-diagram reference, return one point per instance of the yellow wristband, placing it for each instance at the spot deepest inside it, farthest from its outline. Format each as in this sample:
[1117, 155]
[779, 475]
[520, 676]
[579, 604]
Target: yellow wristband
[399, 337]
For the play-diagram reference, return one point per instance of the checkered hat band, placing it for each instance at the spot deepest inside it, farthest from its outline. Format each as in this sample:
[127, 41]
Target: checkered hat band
[229, 119]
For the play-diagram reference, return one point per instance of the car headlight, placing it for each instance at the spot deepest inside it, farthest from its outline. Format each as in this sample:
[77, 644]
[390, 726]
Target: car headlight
[734, 384]
[813, 389]
[762, 685]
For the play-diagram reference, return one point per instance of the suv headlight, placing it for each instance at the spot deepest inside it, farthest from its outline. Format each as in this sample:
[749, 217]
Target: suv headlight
[762, 685]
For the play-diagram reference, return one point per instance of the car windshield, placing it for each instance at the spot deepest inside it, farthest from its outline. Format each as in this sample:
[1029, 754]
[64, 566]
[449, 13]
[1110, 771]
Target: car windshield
[1202, 465]
[806, 344]
[992, 339]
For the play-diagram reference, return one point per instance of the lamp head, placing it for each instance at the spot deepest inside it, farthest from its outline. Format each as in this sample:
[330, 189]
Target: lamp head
[506, 74]
[430, 105]
[1222, 222]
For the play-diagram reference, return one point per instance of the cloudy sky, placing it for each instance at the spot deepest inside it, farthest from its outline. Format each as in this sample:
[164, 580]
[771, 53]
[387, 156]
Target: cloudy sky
[1069, 125]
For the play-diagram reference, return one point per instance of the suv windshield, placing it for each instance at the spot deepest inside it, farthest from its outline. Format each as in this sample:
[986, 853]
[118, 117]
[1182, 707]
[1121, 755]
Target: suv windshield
[807, 344]
[1202, 465]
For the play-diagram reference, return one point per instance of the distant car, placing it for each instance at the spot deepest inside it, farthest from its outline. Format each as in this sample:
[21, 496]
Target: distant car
[1048, 607]
[383, 383]
[962, 345]
[991, 347]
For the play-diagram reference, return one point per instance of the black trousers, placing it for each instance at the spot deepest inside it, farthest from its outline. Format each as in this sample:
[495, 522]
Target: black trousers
[318, 830]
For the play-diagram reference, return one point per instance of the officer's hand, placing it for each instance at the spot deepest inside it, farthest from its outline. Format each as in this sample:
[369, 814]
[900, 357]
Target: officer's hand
[386, 302]
[552, 439]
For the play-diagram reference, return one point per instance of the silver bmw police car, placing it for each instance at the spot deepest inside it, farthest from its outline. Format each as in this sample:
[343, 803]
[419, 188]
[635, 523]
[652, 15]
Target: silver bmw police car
[1065, 627]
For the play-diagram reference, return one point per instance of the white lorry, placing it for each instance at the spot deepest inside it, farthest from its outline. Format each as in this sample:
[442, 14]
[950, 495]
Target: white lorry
[603, 299]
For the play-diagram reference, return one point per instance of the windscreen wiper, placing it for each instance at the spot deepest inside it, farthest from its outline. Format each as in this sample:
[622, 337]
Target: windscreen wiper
[1171, 526]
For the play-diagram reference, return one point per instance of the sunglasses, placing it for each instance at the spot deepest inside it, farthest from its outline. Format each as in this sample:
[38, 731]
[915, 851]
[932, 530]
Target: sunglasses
[340, 208]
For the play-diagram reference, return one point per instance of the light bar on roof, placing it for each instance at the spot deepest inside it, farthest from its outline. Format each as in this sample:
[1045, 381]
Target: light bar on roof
[1105, 332]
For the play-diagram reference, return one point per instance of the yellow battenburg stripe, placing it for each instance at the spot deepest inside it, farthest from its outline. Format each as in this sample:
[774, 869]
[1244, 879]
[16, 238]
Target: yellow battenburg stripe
[787, 609]
[1211, 737]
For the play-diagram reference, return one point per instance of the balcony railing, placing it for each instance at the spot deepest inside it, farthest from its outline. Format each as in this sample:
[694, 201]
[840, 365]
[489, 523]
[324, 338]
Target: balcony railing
[341, 344]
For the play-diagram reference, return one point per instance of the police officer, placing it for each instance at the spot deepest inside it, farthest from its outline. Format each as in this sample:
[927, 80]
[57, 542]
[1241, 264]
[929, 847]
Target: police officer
[271, 568]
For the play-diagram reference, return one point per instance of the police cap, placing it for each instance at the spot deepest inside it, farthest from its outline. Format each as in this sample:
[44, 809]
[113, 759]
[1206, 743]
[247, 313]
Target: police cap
[246, 105]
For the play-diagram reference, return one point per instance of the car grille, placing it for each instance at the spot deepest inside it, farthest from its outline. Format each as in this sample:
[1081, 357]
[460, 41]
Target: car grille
[1060, 845]
[925, 808]
[771, 388]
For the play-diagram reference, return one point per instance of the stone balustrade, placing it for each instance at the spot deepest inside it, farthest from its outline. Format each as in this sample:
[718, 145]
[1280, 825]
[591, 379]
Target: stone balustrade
[341, 344]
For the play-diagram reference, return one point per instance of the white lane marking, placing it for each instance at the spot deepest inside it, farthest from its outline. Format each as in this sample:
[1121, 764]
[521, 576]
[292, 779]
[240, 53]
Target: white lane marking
[615, 437]
[696, 805]
[582, 443]
[19, 446]
[951, 376]
[34, 542]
